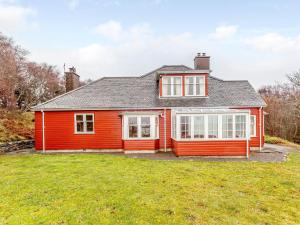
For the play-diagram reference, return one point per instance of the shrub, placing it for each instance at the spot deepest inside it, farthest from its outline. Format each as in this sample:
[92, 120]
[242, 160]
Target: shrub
[275, 140]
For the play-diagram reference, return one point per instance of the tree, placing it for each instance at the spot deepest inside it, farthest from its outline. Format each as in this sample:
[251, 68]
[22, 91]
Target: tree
[283, 108]
[23, 83]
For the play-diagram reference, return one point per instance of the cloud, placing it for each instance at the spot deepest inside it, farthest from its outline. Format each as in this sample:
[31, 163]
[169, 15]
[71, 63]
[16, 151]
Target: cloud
[274, 42]
[114, 30]
[16, 17]
[111, 29]
[73, 4]
[225, 31]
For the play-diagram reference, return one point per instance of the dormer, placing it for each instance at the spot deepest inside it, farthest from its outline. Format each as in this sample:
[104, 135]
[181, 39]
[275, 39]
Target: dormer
[187, 83]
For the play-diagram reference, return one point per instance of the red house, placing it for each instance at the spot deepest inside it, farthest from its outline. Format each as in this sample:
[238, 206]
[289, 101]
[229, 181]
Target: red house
[173, 108]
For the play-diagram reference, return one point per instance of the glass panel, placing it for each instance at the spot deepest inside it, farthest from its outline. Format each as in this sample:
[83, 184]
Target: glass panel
[133, 127]
[79, 126]
[79, 117]
[145, 131]
[227, 126]
[199, 86]
[199, 131]
[145, 120]
[89, 117]
[166, 86]
[133, 131]
[212, 126]
[177, 86]
[252, 125]
[89, 126]
[185, 125]
[189, 85]
[145, 126]
[132, 120]
[240, 126]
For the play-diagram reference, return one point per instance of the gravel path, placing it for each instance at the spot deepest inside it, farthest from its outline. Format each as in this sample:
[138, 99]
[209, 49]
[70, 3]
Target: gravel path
[270, 153]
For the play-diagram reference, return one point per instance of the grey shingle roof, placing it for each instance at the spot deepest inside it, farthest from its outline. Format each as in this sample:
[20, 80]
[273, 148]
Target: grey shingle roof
[142, 92]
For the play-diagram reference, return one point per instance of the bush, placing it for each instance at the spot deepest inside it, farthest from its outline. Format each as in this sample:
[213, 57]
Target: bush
[275, 140]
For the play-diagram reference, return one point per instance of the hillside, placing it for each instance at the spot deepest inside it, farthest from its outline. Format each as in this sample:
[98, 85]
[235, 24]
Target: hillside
[16, 125]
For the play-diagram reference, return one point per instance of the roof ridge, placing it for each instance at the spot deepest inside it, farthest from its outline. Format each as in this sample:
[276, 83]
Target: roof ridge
[64, 94]
[119, 77]
[163, 67]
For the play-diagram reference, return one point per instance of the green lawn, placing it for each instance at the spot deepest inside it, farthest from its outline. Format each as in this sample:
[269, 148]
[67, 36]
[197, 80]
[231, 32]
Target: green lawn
[106, 189]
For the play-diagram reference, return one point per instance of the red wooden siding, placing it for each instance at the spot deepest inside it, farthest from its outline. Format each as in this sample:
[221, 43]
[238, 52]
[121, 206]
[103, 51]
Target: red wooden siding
[141, 144]
[168, 131]
[210, 148]
[183, 82]
[59, 132]
[38, 134]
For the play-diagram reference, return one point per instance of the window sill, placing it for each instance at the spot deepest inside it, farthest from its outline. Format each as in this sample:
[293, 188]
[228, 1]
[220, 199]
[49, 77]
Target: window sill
[211, 139]
[186, 96]
[84, 133]
[139, 139]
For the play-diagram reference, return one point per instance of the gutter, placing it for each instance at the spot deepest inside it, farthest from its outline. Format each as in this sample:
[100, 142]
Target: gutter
[260, 128]
[165, 129]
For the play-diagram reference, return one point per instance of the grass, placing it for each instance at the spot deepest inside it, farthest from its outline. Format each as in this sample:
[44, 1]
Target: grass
[107, 189]
[16, 125]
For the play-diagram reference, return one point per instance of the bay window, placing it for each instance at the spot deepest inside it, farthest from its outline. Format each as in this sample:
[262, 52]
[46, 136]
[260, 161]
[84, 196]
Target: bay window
[171, 86]
[140, 127]
[194, 86]
[84, 123]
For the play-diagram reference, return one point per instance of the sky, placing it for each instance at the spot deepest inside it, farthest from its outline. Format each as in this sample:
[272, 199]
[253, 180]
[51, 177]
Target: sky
[256, 40]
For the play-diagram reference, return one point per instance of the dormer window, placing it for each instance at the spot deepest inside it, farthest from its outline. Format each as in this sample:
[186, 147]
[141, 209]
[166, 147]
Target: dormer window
[194, 86]
[172, 86]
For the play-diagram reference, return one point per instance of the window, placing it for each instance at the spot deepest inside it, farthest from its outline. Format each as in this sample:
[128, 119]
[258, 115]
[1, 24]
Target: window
[84, 123]
[185, 127]
[212, 126]
[199, 127]
[171, 86]
[253, 126]
[140, 127]
[227, 126]
[194, 86]
[240, 126]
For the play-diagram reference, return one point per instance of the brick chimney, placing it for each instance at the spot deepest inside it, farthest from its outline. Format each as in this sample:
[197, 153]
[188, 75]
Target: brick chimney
[72, 79]
[202, 62]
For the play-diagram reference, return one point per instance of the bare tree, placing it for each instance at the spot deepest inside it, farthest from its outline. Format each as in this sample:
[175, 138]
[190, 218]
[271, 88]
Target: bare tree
[283, 108]
[23, 83]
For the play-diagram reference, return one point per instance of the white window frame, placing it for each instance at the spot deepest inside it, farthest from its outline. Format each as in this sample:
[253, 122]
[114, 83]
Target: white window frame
[172, 86]
[194, 85]
[84, 123]
[254, 131]
[154, 129]
[220, 133]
